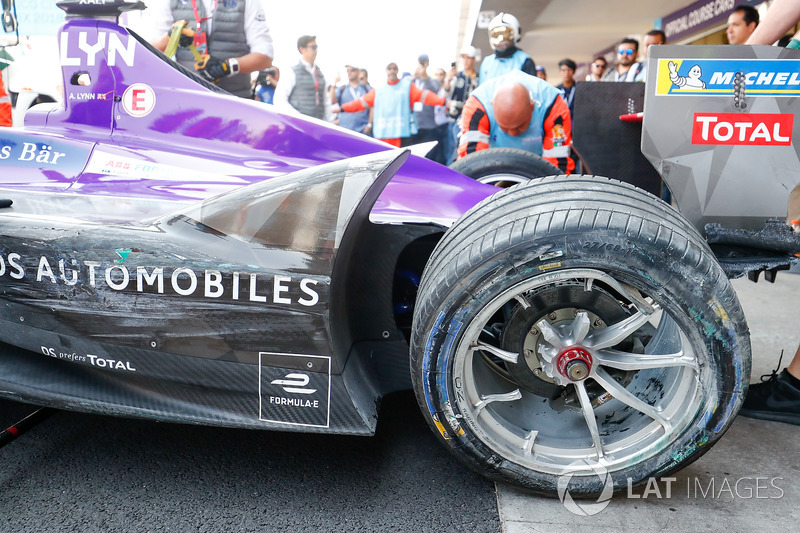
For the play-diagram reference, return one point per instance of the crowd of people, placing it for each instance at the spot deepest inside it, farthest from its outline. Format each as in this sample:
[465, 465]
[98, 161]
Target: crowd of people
[451, 107]
[409, 108]
[448, 107]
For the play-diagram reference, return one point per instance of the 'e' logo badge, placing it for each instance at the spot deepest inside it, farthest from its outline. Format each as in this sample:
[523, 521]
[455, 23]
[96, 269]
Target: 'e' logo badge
[138, 100]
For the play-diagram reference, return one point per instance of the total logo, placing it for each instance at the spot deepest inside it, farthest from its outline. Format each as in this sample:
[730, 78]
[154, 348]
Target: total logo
[94, 360]
[753, 129]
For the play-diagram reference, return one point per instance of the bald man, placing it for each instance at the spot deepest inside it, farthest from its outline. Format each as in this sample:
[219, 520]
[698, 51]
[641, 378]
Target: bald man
[518, 110]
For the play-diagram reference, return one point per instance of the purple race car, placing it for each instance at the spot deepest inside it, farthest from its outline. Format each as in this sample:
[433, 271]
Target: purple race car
[171, 252]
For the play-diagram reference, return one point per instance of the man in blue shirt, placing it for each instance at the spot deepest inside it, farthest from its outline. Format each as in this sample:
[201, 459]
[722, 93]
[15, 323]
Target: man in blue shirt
[353, 90]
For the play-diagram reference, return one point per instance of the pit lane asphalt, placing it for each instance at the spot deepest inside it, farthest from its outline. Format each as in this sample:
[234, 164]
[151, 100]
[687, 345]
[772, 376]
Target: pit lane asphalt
[78, 472]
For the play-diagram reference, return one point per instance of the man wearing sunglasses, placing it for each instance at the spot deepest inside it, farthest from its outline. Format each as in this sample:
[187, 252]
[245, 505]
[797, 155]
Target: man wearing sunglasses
[303, 86]
[597, 69]
[504, 34]
[627, 68]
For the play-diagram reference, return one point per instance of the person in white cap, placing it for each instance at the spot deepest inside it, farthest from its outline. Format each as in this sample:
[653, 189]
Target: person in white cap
[458, 86]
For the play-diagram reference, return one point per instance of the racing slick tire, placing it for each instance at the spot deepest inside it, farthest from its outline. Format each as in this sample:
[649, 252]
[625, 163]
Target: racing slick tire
[575, 333]
[504, 166]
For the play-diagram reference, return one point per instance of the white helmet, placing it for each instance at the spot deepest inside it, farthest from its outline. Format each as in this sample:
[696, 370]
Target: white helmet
[504, 31]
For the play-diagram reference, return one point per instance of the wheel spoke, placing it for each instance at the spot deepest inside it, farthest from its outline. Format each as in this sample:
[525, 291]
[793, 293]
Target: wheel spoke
[550, 334]
[622, 394]
[614, 334]
[629, 292]
[511, 357]
[579, 328]
[588, 415]
[522, 301]
[635, 361]
[527, 444]
[491, 398]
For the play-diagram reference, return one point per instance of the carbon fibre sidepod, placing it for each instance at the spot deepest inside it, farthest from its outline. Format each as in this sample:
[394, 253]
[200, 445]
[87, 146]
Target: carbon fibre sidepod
[225, 313]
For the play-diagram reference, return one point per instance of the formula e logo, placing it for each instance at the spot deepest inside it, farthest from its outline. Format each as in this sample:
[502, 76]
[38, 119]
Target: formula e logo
[753, 129]
[294, 383]
[294, 389]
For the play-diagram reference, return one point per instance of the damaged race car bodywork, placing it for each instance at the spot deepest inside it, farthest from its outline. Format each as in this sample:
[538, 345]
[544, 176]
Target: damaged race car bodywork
[205, 254]
[176, 253]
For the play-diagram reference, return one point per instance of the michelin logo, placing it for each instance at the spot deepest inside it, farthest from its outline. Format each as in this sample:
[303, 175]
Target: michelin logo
[691, 81]
[717, 77]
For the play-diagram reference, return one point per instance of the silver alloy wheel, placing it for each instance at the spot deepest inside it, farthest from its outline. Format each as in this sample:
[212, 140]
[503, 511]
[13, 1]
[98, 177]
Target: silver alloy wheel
[503, 179]
[616, 425]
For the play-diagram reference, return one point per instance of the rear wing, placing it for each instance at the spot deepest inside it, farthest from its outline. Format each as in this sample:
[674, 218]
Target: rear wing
[719, 127]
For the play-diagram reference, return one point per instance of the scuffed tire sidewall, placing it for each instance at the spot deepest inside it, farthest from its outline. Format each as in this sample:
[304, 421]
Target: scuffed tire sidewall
[715, 327]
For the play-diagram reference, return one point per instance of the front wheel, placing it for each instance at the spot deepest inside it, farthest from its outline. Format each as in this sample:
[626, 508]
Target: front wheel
[576, 325]
[504, 167]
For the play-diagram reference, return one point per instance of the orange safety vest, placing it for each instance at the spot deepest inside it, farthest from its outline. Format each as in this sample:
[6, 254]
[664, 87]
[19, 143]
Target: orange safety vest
[5, 106]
